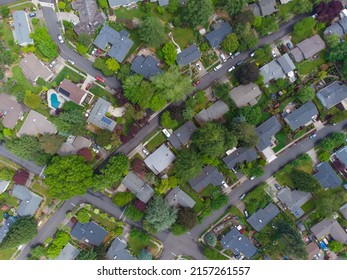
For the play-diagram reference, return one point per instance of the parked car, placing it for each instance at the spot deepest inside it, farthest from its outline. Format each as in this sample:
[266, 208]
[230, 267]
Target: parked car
[198, 66]
[289, 45]
[53, 63]
[196, 83]
[88, 86]
[239, 63]
[273, 53]
[314, 16]
[277, 186]
[100, 79]
[231, 69]
[233, 170]
[71, 62]
[252, 178]
[145, 152]
[222, 56]
[217, 67]
[313, 135]
[61, 40]
[242, 196]
[31, 15]
[252, 54]
[73, 22]
[234, 55]
[166, 132]
[246, 214]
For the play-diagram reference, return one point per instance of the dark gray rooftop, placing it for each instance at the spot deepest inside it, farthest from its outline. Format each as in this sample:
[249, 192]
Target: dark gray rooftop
[163, 2]
[332, 94]
[293, 200]
[30, 201]
[339, 28]
[341, 155]
[188, 55]
[68, 253]
[311, 46]
[266, 131]
[267, 7]
[214, 112]
[272, 70]
[160, 159]
[119, 41]
[209, 175]
[117, 3]
[138, 187]
[263, 216]
[286, 63]
[240, 155]
[182, 135]
[90, 233]
[21, 30]
[238, 243]
[342, 209]
[327, 176]
[178, 197]
[118, 251]
[6, 227]
[98, 117]
[301, 116]
[216, 36]
[146, 66]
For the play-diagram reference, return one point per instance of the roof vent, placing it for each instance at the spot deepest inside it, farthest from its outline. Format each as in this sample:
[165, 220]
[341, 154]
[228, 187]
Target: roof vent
[239, 238]
[260, 221]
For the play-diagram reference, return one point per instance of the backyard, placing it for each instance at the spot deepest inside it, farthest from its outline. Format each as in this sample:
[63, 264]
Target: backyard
[22, 80]
[307, 66]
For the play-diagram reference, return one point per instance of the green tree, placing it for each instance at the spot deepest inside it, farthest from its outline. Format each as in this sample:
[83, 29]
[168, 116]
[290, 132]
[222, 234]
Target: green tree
[61, 5]
[332, 40]
[100, 64]
[167, 122]
[304, 181]
[247, 73]
[178, 229]
[84, 39]
[304, 28]
[83, 216]
[144, 255]
[248, 39]
[38, 252]
[234, 7]
[335, 246]
[251, 114]
[5, 12]
[50, 144]
[170, 53]
[212, 254]
[268, 25]
[187, 217]
[71, 122]
[211, 239]
[104, 138]
[305, 94]
[245, 133]
[123, 198]
[112, 64]
[173, 6]
[338, 53]
[132, 213]
[81, 49]
[222, 91]
[160, 215]
[132, 87]
[188, 165]
[22, 231]
[6, 174]
[230, 43]
[60, 240]
[197, 12]
[124, 72]
[152, 32]
[44, 43]
[88, 253]
[166, 184]
[64, 181]
[32, 100]
[302, 6]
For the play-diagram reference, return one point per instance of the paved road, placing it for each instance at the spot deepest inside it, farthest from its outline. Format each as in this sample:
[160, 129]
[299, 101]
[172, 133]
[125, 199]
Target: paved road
[29, 165]
[81, 62]
[4, 2]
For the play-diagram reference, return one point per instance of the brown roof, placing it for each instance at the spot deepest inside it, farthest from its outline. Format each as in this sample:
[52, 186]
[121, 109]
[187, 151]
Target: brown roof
[10, 109]
[329, 227]
[312, 250]
[244, 95]
[71, 91]
[33, 68]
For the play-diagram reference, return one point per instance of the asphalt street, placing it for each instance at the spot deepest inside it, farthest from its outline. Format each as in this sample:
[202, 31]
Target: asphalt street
[5, 2]
[81, 62]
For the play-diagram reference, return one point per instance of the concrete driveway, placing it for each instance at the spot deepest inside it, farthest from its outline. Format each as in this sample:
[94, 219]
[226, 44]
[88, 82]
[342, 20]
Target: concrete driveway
[68, 17]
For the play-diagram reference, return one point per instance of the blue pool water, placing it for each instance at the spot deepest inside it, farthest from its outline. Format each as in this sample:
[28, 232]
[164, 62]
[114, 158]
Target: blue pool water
[54, 101]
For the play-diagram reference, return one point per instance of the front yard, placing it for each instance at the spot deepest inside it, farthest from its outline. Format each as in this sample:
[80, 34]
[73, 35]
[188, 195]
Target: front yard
[100, 92]
[69, 74]
[156, 142]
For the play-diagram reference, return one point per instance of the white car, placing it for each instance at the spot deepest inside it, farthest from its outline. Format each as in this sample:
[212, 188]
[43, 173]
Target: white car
[231, 69]
[71, 62]
[252, 54]
[145, 152]
[222, 56]
[166, 132]
[53, 63]
[252, 178]
[217, 67]
[198, 66]
[61, 40]
[73, 22]
[273, 53]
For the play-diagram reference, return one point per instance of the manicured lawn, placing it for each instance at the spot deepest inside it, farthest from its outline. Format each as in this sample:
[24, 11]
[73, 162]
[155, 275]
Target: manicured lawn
[282, 139]
[183, 37]
[309, 205]
[100, 92]
[209, 190]
[300, 133]
[256, 199]
[156, 142]
[8, 36]
[43, 192]
[7, 253]
[102, 221]
[23, 6]
[124, 13]
[68, 74]
[308, 66]
[22, 80]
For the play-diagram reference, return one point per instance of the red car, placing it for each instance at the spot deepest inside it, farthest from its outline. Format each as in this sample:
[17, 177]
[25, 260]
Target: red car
[100, 79]
[196, 83]
[88, 86]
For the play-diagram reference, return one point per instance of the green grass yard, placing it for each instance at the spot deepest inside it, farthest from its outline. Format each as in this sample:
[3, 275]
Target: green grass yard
[199, 204]
[256, 199]
[307, 66]
[184, 37]
[100, 92]
[7, 253]
[42, 191]
[11, 201]
[156, 142]
[22, 80]
[282, 139]
[69, 74]
[309, 205]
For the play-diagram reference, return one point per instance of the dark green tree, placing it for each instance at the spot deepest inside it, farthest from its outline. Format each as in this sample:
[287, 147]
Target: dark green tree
[104, 138]
[247, 73]
[88, 254]
[251, 114]
[211, 239]
[245, 133]
[234, 7]
[152, 32]
[230, 43]
[71, 122]
[197, 12]
[188, 165]
[44, 43]
[123, 198]
[132, 213]
[187, 217]
[304, 181]
[305, 94]
[51, 144]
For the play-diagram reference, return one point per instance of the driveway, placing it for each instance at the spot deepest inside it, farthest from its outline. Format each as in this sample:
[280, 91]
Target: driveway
[68, 17]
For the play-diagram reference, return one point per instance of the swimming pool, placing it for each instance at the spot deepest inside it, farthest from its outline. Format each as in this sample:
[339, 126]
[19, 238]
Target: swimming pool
[54, 101]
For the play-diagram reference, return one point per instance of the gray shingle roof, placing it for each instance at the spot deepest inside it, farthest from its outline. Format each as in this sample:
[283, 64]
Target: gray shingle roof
[90, 233]
[343, 23]
[188, 55]
[286, 63]
[332, 94]
[68, 253]
[296, 54]
[311, 46]
[98, 115]
[21, 30]
[119, 41]
[30, 201]
[160, 159]
[293, 200]
[178, 197]
[12, 108]
[3, 185]
[118, 251]
[266, 131]
[6, 227]
[35, 124]
[335, 28]
[326, 176]
[138, 187]
[216, 36]
[238, 243]
[33, 68]
[239, 156]
[267, 7]
[329, 227]
[263, 216]
[300, 117]
[244, 95]
[117, 3]
[343, 210]
[342, 155]
[272, 70]
[255, 8]
[146, 66]
[163, 2]
[214, 112]
[209, 175]
[182, 135]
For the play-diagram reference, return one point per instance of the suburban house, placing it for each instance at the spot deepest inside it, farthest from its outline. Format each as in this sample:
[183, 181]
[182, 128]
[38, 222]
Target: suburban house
[72, 92]
[240, 155]
[90, 17]
[121, 3]
[343, 210]
[10, 111]
[68, 253]
[29, 201]
[238, 243]
[146, 66]
[293, 200]
[326, 176]
[35, 124]
[312, 250]
[303, 116]
[4, 185]
[4, 229]
[307, 48]
[118, 251]
[181, 136]
[280, 68]
[220, 31]
[209, 176]
[98, 116]
[160, 159]
[188, 55]
[338, 28]
[90, 233]
[266, 132]
[263, 216]
[33, 68]
[117, 44]
[333, 94]
[341, 155]
[73, 144]
[177, 197]
[327, 228]
[214, 112]
[138, 187]
[245, 95]
[21, 29]
[263, 8]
